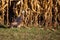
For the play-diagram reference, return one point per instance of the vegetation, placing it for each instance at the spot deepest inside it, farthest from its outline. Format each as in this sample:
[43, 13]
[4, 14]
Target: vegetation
[32, 16]
[33, 12]
[28, 34]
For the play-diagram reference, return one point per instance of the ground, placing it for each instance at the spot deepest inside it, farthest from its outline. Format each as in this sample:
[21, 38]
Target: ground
[28, 34]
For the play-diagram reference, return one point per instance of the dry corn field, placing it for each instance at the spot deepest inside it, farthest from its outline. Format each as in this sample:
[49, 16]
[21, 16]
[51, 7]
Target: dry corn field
[32, 12]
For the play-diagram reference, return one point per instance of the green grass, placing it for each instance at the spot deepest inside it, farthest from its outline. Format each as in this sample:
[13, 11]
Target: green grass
[28, 34]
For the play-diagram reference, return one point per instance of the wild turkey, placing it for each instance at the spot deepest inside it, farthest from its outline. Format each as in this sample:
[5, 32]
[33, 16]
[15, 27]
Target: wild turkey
[16, 22]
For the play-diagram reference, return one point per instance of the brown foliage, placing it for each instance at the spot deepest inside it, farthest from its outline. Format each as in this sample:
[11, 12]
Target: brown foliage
[35, 12]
